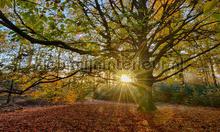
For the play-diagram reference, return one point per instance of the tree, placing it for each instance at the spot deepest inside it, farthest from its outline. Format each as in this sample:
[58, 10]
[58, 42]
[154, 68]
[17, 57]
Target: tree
[143, 29]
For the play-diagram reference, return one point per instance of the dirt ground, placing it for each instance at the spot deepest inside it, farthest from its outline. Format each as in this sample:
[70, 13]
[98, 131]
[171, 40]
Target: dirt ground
[110, 117]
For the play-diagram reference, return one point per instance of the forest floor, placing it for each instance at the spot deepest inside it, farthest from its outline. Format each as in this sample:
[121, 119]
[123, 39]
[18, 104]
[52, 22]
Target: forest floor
[112, 117]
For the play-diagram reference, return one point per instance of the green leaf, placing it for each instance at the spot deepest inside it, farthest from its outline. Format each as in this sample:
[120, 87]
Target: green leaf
[60, 14]
[8, 3]
[47, 4]
[62, 27]
[52, 25]
[2, 4]
[217, 16]
[209, 5]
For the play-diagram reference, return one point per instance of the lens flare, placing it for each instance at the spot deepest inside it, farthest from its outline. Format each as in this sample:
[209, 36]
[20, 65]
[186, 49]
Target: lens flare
[125, 78]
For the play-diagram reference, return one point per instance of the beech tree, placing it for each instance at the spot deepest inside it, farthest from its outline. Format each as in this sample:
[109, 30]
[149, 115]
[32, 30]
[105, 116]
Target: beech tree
[153, 31]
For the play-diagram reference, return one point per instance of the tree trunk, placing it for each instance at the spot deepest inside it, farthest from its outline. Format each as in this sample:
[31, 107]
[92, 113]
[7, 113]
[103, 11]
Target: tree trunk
[145, 98]
[182, 82]
[213, 72]
[58, 61]
[9, 94]
[30, 57]
[205, 72]
[181, 76]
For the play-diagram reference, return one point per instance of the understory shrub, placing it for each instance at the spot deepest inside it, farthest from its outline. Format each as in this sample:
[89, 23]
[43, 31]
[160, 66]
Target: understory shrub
[190, 95]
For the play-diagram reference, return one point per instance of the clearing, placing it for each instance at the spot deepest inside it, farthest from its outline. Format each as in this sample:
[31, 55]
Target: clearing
[108, 116]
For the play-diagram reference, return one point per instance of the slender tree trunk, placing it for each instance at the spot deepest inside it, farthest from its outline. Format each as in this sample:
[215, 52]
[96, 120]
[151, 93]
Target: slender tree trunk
[213, 72]
[182, 82]
[37, 58]
[9, 94]
[30, 57]
[18, 59]
[204, 71]
[181, 74]
[58, 61]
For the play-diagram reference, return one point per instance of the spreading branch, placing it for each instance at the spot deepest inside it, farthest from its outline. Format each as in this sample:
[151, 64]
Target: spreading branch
[57, 43]
[187, 60]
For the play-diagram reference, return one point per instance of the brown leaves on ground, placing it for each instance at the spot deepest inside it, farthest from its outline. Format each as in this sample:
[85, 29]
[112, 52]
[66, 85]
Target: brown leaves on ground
[104, 116]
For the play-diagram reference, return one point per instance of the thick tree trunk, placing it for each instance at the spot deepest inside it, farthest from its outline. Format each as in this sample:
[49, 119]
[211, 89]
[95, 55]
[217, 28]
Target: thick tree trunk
[145, 98]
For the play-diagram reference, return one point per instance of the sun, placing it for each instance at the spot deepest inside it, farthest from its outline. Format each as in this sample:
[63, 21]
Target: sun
[125, 78]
